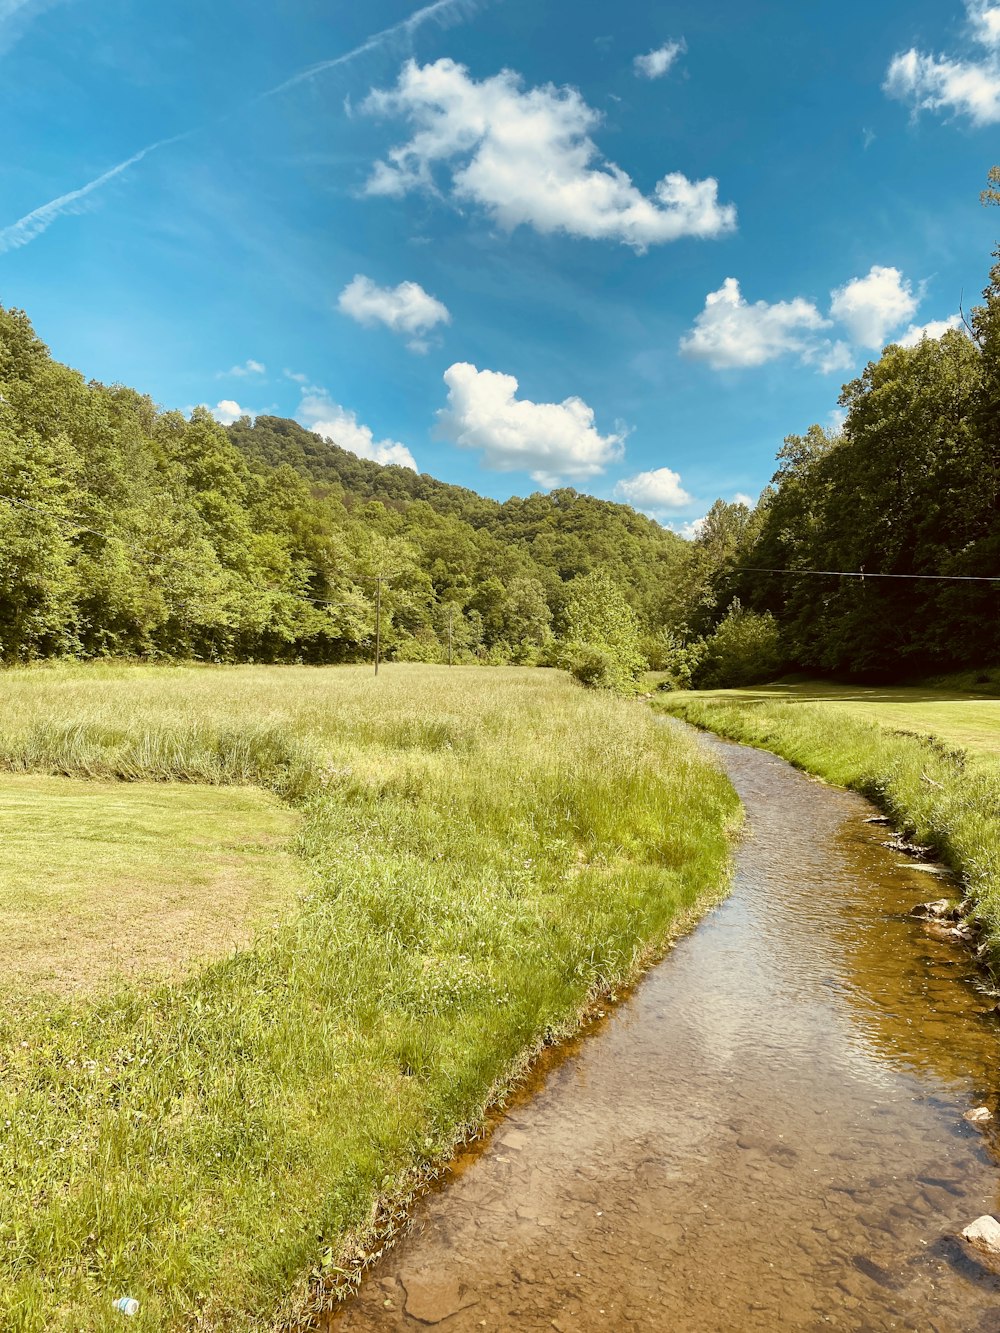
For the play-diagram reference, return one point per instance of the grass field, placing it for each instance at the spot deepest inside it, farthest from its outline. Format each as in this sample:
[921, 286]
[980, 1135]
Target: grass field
[930, 756]
[103, 881]
[483, 853]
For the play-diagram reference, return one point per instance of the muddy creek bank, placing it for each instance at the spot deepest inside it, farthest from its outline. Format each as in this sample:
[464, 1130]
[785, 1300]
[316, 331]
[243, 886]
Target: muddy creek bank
[767, 1135]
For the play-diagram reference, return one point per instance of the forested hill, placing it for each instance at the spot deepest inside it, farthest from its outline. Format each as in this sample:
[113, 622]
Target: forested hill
[277, 440]
[131, 531]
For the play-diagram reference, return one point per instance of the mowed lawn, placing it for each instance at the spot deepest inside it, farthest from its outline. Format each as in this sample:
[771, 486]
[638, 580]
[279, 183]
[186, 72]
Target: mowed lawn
[958, 716]
[102, 882]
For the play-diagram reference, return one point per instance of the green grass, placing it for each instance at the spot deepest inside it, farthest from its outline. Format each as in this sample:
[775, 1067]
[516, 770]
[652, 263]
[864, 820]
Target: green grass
[104, 881]
[487, 852]
[928, 756]
[953, 709]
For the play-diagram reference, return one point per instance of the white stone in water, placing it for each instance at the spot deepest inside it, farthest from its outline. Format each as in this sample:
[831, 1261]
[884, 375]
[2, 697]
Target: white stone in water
[983, 1236]
[978, 1115]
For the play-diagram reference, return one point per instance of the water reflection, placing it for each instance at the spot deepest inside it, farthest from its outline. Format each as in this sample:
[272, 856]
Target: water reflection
[767, 1135]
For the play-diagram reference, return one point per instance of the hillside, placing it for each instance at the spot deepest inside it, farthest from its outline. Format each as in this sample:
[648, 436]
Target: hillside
[126, 530]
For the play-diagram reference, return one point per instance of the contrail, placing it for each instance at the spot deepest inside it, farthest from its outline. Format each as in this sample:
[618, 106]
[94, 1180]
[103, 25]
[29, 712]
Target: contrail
[416, 20]
[25, 229]
[33, 224]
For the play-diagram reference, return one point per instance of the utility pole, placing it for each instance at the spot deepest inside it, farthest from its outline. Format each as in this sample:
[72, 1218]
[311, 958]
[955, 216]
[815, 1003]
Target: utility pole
[451, 622]
[378, 580]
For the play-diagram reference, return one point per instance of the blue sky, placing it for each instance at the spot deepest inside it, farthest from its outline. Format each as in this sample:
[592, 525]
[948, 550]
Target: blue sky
[622, 247]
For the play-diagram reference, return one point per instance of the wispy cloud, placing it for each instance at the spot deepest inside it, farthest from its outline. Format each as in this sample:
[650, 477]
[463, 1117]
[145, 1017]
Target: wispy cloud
[440, 9]
[26, 229]
[15, 15]
[40, 219]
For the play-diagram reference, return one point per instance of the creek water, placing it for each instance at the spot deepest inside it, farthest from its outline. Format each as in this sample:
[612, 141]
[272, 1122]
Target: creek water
[767, 1134]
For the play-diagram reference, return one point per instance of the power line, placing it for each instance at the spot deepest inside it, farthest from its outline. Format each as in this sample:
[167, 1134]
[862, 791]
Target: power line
[862, 574]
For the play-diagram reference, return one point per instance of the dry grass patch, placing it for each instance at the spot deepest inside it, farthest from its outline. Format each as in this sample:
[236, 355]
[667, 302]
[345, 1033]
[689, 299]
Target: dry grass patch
[102, 881]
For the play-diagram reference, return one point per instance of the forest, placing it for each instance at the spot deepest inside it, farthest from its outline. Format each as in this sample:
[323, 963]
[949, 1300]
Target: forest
[129, 531]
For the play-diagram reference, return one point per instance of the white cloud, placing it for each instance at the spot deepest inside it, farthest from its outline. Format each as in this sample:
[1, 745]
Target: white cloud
[731, 332]
[829, 356]
[656, 63]
[874, 305]
[405, 309]
[526, 156]
[551, 441]
[937, 328]
[656, 492]
[742, 499]
[249, 367]
[320, 414]
[690, 531]
[228, 411]
[296, 376]
[969, 87]
[985, 20]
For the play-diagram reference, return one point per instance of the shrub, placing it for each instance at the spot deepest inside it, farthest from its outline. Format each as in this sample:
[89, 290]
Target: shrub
[743, 649]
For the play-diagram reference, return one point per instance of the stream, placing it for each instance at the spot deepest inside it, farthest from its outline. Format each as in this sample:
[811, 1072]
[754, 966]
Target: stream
[767, 1134]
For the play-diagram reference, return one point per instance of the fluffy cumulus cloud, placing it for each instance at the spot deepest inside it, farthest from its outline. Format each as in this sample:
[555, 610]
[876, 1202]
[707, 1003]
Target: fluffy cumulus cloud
[552, 441]
[406, 309]
[320, 414]
[658, 491]
[654, 64]
[228, 411]
[937, 328]
[968, 86]
[873, 305]
[731, 332]
[527, 158]
[691, 531]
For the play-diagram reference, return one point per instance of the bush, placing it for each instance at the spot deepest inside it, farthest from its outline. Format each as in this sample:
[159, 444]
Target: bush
[667, 651]
[744, 649]
[600, 668]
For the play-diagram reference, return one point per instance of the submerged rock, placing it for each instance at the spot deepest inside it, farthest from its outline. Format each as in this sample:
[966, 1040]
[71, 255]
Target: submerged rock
[983, 1236]
[978, 1116]
[432, 1299]
[941, 909]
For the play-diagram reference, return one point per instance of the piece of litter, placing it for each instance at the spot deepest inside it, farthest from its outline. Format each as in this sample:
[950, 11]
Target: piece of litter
[126, 1305]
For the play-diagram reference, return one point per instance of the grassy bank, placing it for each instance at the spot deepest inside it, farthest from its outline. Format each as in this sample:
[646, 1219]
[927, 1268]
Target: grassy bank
[485, 851]
[942, 794]
[954, 709]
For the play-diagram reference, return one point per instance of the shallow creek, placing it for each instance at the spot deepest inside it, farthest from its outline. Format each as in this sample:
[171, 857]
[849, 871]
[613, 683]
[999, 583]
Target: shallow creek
[767, 1134]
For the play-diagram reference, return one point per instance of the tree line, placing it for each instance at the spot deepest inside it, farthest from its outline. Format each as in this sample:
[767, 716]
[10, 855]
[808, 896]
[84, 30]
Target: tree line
[130, 531]
[908, 485]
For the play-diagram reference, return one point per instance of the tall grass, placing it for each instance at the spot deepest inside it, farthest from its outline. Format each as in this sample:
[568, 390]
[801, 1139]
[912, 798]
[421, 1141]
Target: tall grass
[487, 852]
[934, 792]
